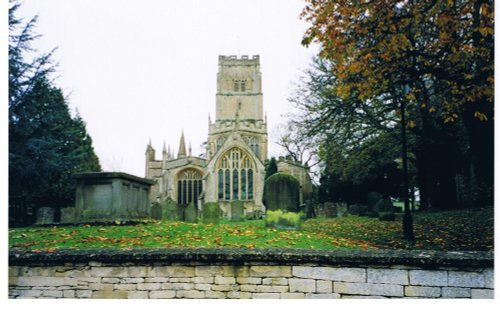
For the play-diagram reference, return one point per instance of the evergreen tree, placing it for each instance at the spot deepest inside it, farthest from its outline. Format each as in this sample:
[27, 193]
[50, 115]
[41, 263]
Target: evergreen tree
[271, 167]
[46, 144]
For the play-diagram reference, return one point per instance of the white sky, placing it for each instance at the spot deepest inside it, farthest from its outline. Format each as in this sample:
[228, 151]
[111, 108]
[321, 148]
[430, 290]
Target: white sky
[137, 70]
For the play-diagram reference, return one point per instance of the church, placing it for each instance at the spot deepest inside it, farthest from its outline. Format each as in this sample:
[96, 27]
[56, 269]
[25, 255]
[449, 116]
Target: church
[236, 147]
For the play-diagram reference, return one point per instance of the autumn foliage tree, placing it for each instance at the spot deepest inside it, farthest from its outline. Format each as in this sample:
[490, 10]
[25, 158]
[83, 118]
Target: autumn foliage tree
[437, 56]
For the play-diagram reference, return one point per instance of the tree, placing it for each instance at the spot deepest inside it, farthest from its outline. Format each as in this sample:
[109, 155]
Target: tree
[435, 55]
[271, 167]
[46, 144]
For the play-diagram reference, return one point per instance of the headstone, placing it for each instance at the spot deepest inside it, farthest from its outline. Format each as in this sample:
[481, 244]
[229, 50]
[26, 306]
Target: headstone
[211, 213]
[282, 191]
[330, 210]
[156, 211]
[354, 209]
[341, 209]
[310, 212]
[237, 213]
[68, 215]
[45, 215]
[190, 213]
[384, 210]
[363, 210]
[384, 205]
[170, 210]
[372, 198]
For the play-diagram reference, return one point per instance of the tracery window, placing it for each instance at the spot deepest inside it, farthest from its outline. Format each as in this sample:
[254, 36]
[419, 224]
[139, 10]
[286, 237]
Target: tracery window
[189, 186]
[235, 175]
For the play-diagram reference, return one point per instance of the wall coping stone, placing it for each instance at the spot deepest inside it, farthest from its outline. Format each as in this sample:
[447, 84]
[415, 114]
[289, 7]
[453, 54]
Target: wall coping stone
[341, 257]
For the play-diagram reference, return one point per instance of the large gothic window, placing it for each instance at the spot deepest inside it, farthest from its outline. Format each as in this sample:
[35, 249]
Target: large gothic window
[235, 176]
[189, 186]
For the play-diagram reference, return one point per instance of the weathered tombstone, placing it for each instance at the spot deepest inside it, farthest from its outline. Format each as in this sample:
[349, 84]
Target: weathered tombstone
[211, 213]
[330, 210]
[111, 196]
[354, 209]
[254, 215]
[385, 210]
[363, 210]
[170, 211]
[384, 204]
[156, 211]
[68, 215]
[190, 213]
[282, 191]
[45, 215]
[310, 213]
[237, 213]
[341, 209]
[372, 198]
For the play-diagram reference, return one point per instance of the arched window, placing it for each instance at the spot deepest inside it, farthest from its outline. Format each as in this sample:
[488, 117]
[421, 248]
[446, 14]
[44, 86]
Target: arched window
[189, 186]
[235, 175]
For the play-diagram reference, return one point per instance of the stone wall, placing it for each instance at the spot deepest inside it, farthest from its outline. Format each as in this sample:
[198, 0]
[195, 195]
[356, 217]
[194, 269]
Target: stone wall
[236, 273]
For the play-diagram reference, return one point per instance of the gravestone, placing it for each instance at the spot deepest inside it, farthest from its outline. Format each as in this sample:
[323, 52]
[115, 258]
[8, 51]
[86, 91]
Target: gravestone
[170, 210]
[385, 210]
[354, 209]
[190, 213]
[211, 213]
[385, 205]
[156, 211]
[329, 210]
[363, 210]
[68, 215]
[372, 199]
[237, 213]
[341, 209]
[45, 215]
[310, 213]
[282, 191]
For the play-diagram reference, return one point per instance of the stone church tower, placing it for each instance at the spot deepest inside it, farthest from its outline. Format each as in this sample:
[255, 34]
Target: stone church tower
[233, 169]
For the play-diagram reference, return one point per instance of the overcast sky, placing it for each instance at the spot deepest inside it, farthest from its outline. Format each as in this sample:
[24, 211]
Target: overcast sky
[145, 69]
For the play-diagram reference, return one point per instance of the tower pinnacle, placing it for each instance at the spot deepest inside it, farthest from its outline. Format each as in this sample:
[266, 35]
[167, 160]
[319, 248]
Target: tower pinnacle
[182, 147]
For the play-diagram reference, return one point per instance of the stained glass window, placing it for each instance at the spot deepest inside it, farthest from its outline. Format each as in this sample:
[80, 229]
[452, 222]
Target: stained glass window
[235, 176]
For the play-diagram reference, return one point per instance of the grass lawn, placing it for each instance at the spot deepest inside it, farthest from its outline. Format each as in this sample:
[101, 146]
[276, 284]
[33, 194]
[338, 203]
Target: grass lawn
[450, 230]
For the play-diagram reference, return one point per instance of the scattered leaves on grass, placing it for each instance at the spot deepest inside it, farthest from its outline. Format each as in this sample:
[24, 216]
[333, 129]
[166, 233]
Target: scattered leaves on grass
[450, 230]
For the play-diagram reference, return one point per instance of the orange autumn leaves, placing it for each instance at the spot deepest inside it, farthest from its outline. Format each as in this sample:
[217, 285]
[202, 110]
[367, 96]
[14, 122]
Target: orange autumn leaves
[451, 230]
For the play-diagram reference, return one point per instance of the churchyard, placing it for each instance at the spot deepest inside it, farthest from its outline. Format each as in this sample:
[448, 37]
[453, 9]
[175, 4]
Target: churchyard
[447, 230]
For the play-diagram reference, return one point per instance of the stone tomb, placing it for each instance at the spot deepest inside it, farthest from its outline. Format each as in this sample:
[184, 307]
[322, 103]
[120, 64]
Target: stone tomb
[110, 196]
[44, 215]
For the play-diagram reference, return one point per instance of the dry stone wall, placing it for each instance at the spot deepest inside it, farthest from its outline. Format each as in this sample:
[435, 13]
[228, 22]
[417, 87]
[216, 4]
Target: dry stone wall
[250, 274]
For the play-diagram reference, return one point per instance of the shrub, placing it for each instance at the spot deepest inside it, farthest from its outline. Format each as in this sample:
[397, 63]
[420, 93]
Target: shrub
[283, 220]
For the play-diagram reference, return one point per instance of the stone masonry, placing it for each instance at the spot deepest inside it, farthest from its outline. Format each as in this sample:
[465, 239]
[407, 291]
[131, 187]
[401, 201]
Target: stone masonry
[223, 275]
